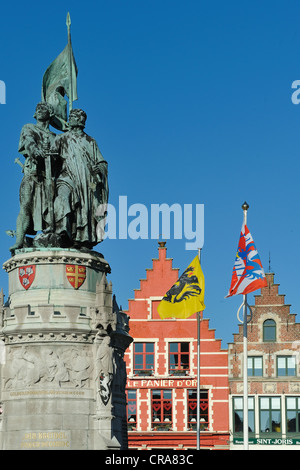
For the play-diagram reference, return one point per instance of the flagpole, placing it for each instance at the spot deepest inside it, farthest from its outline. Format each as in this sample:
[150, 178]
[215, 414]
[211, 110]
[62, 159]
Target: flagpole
[242, 282]
[68, 22]
[245, 208]
[198, 369]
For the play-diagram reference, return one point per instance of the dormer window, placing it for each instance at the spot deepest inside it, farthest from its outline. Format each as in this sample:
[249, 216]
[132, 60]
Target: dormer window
[269, 331]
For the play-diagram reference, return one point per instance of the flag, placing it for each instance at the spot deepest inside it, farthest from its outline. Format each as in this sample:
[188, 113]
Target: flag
[60, 79]
[186, 296]
[248, 274]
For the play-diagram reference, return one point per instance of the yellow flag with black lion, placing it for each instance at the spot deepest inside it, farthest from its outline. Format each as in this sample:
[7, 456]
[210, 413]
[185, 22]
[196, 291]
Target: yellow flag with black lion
[186, 296]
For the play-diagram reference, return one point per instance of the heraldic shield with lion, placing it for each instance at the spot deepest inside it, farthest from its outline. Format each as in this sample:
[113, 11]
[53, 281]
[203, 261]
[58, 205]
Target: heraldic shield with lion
[186, 296]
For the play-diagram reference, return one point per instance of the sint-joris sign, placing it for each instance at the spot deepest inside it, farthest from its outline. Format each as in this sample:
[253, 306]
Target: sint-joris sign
[277, 441]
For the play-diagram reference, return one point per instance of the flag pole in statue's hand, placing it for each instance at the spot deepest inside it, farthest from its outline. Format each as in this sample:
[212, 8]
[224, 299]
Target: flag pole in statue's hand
[49, 184]
[68, 23]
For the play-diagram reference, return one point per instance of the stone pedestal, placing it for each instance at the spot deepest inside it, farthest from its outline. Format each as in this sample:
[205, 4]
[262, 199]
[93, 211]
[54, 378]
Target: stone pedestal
[63, 378]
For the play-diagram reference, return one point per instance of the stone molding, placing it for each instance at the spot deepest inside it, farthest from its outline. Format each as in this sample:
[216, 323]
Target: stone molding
[56, 256]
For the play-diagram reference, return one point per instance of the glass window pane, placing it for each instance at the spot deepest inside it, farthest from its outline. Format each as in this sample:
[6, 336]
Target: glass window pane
[192, 413]
[138, 360]
[264, 421]
[250, 366]
[250, 403]
[291, 421]
[276, 421]
[291, 361]
[185, 361]
[238, 421]
[238, 403]
[172, 360]
[138, 347]
[258, 366]
[269, 330]
[281, 362]
[149, 361]
[185, 347]
[251, 421]
[258, 362]
[291, 366]
[264, 403]
[275, 403]
[173, 347]
[291, 403]
[149, 347]
[167, 411]
[269, 334]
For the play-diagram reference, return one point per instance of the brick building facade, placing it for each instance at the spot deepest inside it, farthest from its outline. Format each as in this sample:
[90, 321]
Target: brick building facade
[273, 375]
[162, 372]
[214, 434]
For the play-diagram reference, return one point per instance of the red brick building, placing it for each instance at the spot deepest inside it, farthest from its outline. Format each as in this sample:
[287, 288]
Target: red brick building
[162, 372]
[273, 375]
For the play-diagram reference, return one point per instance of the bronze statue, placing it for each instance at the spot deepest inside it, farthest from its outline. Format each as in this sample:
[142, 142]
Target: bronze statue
[81, 185]
[34, 201]
[65, 175]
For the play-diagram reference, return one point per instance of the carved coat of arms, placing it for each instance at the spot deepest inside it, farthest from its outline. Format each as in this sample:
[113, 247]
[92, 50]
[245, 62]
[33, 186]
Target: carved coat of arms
[76, 275]
[26, 275]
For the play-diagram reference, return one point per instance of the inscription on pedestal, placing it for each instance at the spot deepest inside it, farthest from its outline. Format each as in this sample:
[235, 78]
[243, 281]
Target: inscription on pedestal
[46, 440]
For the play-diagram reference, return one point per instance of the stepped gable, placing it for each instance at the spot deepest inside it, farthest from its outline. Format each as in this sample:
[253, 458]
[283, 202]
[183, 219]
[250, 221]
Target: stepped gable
[269, 305]
[158, 280]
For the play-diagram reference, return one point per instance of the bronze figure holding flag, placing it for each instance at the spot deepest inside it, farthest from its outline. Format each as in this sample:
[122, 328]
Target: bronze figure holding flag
[34, 213]
[60, 79]
[65, 175]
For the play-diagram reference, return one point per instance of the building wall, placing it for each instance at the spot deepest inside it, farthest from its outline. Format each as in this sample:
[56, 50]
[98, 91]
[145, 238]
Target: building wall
[147, 327]
[275, 388]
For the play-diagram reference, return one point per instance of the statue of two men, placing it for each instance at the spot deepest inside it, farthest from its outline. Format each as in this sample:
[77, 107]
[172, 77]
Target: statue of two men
[64, 183]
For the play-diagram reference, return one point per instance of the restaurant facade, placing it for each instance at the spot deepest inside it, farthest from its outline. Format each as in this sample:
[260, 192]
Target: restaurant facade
[162, 372]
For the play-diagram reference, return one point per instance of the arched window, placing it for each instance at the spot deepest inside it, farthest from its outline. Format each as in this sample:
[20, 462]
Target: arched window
[269, 330]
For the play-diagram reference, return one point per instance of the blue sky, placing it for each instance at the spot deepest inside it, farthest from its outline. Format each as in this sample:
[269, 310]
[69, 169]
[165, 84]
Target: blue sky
[190, 103]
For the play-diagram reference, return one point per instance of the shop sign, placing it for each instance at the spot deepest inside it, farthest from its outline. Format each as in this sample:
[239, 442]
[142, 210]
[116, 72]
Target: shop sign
[162, 383]
[265, 441]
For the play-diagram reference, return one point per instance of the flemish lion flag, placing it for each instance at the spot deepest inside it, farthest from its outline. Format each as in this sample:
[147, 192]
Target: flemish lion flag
[186, 296]
[60, 79]
[248, 274]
